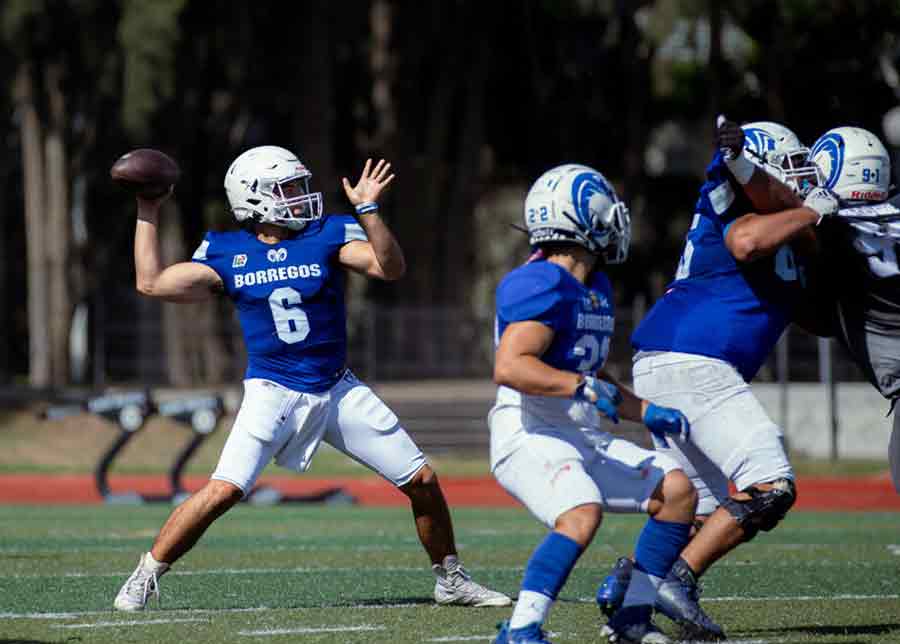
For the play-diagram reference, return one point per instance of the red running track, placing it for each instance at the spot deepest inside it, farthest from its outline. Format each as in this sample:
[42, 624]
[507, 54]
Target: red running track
[837, 494]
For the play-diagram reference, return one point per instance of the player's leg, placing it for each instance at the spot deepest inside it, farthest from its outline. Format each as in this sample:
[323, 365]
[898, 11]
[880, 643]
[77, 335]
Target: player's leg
[678, 596]
[546, 474]
[711, 487]
[633, 479]
[732, 431]
[757, 463]
[431, 513]
[259, 431]
[361, 426]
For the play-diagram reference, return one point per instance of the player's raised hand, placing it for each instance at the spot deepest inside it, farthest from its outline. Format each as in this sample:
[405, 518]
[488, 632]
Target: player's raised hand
[729, 138]
[372, 182]
[665, 421]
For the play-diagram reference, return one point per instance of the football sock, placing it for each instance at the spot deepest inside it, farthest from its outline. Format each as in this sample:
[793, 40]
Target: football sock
[545, 574]
[658, 547]
[152, 565]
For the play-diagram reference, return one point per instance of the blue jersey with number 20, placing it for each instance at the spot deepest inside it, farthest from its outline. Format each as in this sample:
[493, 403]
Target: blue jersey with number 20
[290, 299]
[717, 306]
[581, 316]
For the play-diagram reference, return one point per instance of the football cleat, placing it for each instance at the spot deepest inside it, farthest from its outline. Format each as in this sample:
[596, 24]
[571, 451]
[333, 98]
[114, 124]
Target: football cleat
[531, 634]
[140, 586]
[679, 600]
[632, 625]
[611, 593]
[454, 586]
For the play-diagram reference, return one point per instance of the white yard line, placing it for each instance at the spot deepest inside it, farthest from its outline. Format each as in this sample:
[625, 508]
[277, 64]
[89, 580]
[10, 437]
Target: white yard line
[256, 571]
[587, 600]
[88, 613]
[777, 598]
[799, 598]
[303, 570]
[310, 630]
[135, 622]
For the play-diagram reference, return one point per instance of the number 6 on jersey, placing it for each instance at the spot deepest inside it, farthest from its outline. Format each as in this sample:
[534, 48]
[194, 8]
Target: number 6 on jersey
[291, 322]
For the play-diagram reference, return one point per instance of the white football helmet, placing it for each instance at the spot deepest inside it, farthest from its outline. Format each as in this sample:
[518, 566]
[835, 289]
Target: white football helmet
[574, 203]
[270, 185]
[778, 151]
[854, 164]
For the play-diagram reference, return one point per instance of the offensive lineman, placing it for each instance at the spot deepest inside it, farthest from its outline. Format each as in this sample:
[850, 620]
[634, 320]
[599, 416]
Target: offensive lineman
[284, 272]
[549, 442]
[735, 291]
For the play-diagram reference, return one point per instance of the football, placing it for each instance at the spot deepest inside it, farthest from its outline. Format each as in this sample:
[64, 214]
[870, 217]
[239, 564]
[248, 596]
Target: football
[145, 172]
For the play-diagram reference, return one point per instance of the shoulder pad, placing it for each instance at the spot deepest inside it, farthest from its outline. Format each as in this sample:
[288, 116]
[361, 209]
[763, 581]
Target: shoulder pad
[869, 210]
[343, 228]
[529, 292]
[208, 248]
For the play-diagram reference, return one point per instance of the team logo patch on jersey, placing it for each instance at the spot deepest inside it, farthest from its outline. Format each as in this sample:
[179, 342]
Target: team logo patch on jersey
[277, 255]
[239, 261]
[595, 301]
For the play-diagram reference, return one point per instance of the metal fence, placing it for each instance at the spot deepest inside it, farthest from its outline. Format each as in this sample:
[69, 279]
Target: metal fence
[386, 343]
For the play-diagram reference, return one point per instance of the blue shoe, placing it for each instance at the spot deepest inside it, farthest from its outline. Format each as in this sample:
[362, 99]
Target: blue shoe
[632, 625]
[679, 600]
[531, 634]
[611, 593]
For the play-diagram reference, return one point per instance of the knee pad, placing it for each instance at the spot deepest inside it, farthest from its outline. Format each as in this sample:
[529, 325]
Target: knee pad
[764, 509]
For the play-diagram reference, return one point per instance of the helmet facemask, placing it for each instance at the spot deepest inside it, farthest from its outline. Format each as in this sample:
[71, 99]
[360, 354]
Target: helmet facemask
[796, 169]
[292, 205]
[618, 233]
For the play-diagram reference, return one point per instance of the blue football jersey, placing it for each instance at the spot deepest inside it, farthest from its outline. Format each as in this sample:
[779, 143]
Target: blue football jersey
[581, 316]
[290, 299]
[717, 306]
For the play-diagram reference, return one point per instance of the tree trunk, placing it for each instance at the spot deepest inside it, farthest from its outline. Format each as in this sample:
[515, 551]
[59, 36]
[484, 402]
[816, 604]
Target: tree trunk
[39, 366]
[57, 221]
[178, 320]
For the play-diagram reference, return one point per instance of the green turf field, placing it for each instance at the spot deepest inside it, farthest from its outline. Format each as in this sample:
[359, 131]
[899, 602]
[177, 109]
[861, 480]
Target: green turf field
[345, 574]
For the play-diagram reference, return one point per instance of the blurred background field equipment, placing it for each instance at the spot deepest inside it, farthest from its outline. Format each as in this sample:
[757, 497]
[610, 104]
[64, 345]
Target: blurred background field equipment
[129, 411]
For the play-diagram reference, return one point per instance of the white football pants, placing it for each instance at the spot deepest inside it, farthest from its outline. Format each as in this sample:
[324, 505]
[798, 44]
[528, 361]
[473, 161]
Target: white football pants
[554, 470]
[277, 422]
[732, 437]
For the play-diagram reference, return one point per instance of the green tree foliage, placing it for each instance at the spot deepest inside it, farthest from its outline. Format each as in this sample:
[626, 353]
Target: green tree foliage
[148, 35]
[470, 100]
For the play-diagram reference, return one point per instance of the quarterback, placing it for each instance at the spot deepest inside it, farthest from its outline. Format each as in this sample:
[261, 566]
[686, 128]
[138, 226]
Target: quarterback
[550, 442]
[735, 291]
[284, 271]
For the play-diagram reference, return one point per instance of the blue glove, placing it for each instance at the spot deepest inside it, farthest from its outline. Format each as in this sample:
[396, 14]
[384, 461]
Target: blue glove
[603, 395]
[662, 421]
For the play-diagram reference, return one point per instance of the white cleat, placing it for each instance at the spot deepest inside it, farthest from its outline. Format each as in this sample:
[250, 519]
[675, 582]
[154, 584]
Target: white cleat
[454, 586]
[143, 583]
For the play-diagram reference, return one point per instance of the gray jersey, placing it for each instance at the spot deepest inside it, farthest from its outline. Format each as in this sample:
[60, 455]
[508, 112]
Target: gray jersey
[861, 271]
